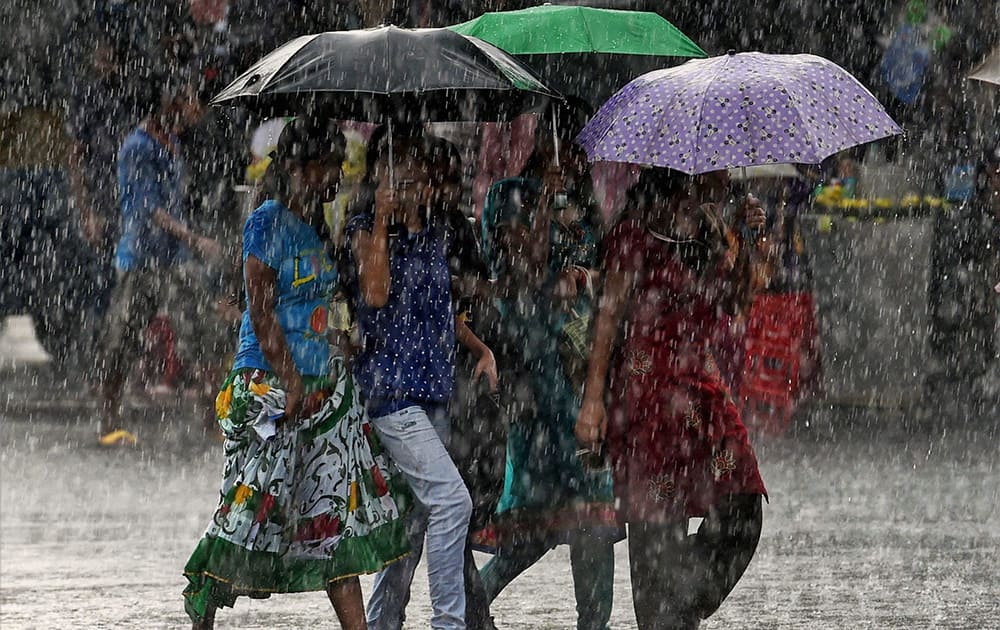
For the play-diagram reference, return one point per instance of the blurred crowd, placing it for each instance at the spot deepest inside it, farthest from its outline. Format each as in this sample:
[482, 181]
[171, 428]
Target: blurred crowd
[85, 73]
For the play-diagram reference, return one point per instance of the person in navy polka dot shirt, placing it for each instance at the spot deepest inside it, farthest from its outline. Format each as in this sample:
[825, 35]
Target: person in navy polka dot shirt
[400, 283]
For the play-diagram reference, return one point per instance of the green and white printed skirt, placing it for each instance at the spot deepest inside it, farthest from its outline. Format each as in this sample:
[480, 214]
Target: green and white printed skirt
[300, 506]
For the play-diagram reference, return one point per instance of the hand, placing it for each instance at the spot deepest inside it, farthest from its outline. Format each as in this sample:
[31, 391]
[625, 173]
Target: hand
[567, 284]
[487, 365]
[293, 400]
[591, 425]
[387, 204]
[92, 227]
[754, 213]
[552, 181]
[208, 249]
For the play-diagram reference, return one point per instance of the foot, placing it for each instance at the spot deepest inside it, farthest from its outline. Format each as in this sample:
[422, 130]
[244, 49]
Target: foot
[118, 437]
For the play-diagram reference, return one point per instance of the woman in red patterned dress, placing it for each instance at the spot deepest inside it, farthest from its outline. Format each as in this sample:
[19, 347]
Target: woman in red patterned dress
[675, 439]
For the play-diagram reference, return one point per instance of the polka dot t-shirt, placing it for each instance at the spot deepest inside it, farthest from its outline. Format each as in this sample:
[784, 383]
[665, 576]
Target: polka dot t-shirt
[408, 345]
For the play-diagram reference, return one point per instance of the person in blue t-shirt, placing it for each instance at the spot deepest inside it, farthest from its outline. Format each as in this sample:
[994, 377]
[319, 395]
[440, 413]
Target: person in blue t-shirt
[154, 240]
[308, 500]
[402, 296]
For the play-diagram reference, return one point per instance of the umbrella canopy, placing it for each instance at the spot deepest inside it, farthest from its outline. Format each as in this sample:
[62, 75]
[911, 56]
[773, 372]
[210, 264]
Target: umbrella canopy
[348, 67]
[583, 51]
[989, 70]
[736, 110]
[550, 29]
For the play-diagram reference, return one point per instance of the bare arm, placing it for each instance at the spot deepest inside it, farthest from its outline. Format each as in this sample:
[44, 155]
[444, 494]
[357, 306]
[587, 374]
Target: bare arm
[487, 363]
[591, 423]
[371, 251]
[261, 294]
[205, 247]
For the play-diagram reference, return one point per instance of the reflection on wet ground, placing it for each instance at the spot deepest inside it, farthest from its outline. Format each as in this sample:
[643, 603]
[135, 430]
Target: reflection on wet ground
[869, 526]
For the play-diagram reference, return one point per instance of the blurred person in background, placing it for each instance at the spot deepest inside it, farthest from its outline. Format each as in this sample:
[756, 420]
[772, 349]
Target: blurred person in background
[155, 241]
[478, 440]
[963, 304]
[97, 120]
[50, 269]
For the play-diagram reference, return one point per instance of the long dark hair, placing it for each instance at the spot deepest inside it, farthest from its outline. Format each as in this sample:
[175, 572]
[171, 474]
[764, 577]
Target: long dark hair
[302, 140]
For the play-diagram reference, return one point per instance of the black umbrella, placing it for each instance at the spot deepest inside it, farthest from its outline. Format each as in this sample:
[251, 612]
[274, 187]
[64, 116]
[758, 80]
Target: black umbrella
[369, 74]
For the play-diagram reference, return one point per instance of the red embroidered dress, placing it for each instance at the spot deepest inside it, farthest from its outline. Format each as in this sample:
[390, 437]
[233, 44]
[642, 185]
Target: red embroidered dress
[675, 438]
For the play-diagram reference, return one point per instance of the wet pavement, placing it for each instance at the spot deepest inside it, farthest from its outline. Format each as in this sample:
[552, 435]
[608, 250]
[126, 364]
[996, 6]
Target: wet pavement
[873, 522]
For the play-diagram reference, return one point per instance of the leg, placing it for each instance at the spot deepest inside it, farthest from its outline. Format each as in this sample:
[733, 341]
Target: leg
[348, 603]
[133, 305]
[477, 606]
[593, 562]
[723, 547]
[391, 591]
[657, 561]
[207, 622]
[510, 562]
[415, 446]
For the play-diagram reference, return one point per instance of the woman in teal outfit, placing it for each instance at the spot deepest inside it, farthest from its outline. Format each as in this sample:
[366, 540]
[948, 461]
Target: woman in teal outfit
[542, 258]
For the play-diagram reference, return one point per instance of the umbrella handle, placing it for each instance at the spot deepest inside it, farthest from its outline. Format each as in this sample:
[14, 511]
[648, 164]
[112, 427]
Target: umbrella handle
[392, 182]
[555, 134]
[750, 236]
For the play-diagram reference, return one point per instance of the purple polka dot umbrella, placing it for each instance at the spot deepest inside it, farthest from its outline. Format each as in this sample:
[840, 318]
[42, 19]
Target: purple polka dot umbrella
[736, 110]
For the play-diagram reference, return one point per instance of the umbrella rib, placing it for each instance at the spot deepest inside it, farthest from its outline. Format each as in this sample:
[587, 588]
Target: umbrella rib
[586, 26]
[701, 113]
[387, 65]
[277, 71]
[807, 131]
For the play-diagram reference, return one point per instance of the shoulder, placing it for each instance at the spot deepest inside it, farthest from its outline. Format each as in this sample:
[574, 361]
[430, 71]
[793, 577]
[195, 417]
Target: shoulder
[137, 146]
[625, 246]
[270, 209]
[265, 217]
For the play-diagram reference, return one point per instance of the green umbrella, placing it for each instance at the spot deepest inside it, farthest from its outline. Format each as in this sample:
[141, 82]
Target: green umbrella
[552, 29]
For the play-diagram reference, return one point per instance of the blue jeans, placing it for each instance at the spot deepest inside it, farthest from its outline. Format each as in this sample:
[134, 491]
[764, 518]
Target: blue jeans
[416, 443]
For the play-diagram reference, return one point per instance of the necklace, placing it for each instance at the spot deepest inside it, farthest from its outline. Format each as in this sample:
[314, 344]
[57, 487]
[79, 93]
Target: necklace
[674, 241]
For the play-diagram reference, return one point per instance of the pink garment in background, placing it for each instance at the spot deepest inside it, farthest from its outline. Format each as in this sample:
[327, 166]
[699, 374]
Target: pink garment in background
[504, 149]
[612, 181]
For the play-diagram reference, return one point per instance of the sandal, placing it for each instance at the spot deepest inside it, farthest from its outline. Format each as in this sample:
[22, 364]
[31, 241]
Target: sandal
[118, 437]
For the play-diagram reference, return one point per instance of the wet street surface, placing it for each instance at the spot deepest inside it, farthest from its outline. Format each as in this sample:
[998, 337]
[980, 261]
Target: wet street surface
[869, 525]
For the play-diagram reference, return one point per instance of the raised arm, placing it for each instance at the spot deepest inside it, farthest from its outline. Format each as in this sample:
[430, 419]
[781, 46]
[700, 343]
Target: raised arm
[371, 251]
[261, 282]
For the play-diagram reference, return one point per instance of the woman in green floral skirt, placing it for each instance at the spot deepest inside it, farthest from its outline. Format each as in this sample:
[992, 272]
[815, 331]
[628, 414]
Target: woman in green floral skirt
[308, 501]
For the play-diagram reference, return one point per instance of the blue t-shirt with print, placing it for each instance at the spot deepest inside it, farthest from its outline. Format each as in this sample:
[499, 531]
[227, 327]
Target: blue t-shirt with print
[149, 177]
[305, 283]
[408, 345]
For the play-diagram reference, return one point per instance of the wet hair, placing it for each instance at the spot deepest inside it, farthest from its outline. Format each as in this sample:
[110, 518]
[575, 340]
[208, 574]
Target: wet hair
[405, 138]
[445, 159]
[303, 140]
[654, 184]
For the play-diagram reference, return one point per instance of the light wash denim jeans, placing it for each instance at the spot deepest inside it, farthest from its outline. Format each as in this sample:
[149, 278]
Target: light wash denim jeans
[416, 444]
